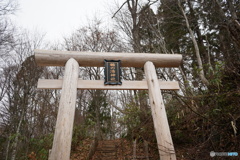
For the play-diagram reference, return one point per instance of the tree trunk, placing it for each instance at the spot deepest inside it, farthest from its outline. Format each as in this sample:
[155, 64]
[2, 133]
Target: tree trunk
[232, 9]
[93, 148]
[14, 152]
[134, 149]
[97, 112]
[7, 148]
[197, 52]
[146, 150]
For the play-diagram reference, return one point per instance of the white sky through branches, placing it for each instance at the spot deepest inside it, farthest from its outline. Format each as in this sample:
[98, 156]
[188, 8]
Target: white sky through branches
[58, 18]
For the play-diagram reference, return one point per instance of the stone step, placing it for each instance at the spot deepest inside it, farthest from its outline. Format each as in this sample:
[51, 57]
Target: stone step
[106, 150]
[108, 153]
[105, 157]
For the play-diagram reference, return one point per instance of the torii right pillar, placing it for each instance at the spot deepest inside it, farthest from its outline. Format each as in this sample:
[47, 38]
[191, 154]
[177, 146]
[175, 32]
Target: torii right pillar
[161, 126]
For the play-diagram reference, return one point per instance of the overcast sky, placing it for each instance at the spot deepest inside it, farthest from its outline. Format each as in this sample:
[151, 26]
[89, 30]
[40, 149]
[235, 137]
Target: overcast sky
[58, 18]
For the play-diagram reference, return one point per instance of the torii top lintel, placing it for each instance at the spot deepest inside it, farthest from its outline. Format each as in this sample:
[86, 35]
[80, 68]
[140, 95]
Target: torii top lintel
[96, 59]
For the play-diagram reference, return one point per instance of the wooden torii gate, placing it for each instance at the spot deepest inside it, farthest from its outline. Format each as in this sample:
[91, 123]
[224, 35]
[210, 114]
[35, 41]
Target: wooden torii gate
[70, 83]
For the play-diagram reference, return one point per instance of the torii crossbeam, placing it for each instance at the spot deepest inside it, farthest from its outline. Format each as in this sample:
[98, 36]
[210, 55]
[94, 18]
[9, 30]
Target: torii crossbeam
[70, 83]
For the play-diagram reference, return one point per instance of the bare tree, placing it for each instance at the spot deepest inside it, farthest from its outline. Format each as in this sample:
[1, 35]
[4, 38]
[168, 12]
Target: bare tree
[18, 93]
[7, 7]
[196, 47]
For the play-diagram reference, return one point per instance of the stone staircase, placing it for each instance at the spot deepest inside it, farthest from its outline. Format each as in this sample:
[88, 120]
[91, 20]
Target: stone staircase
[118, 149]
[106, 150]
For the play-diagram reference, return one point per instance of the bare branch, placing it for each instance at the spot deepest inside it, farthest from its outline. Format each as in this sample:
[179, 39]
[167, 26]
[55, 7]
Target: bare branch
[119, 9]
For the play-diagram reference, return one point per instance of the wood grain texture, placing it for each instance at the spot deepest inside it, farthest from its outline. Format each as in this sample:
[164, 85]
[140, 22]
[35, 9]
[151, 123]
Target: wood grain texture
[96, 59]
[99, 84]
[64, 125]
[161, 126]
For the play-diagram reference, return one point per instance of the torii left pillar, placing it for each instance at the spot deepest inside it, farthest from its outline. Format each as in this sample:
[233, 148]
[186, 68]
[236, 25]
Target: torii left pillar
[63, 132]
